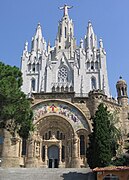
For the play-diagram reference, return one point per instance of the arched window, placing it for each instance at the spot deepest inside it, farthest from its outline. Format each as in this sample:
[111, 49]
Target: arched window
[96, 65]
[123, 92]
[88, 65]
[57, 134]
[61, 136]
[65, 32]
[62, 75]
[93, 83]
[49, 133]
[126, 91]
[82, 145]
[33, 84]
[66, 89]
[37, 67]
[92, 65]
[33, 67]
[60, 32]
[45, 136]
[62, 89]
[111, 177]
[71, 88]
[29, 67]
[43, 152]
[63, 152]
[70, 32]
[53, 89]
[57, 89]
[119, 91]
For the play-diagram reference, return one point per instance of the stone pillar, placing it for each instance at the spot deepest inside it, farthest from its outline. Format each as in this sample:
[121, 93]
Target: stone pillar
[79, 147]
[75, 157]
[45, 165]
[31, 160]
[10, 152]
[40, 153]
[60, 155]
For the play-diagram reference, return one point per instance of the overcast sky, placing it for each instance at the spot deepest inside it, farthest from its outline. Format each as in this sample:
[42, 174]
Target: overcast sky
[110, 20]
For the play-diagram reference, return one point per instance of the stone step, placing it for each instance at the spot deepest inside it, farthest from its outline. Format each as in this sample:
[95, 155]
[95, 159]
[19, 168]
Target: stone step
[45, 174]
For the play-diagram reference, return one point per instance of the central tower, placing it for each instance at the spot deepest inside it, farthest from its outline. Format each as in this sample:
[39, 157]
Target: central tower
[65, 37]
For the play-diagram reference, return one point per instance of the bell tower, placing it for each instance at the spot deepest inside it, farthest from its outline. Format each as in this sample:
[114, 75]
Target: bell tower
[65, 37]
[122, 96]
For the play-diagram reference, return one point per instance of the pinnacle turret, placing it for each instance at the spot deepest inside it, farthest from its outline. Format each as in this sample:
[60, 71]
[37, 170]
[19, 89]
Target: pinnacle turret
[26, 46]
[25, 51]
[91, 40]
[101, 43]
[38, 42]
[38, 31]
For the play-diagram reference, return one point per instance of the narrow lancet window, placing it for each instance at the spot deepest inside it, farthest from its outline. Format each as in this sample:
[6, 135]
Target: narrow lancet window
[82, 145]
[93, 83]
[33, 84]
[65, 32]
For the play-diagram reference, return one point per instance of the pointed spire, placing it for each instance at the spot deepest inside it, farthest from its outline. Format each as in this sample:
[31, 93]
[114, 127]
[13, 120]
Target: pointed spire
[90, 37]
[38, 39]
[26, 46]
[90, 28]
[38, 31]
[101, 43]
[48, 47]
[81, 43]
[25, 51]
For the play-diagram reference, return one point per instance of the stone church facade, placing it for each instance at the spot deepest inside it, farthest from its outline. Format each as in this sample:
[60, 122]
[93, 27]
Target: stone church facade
[65, 84]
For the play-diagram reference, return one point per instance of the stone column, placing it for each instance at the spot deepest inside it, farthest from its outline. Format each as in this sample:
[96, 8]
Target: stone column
[79, 147]
[32, 160]
[40, 153]
[75, 157]
[46, 157]
[60, 155]
[10, 152]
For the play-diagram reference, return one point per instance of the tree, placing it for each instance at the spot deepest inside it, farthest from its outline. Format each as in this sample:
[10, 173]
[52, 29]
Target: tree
[116, 134]
[15, 112]
[99, 152]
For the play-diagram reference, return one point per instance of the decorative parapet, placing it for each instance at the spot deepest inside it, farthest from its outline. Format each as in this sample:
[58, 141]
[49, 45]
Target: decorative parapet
[55, 95]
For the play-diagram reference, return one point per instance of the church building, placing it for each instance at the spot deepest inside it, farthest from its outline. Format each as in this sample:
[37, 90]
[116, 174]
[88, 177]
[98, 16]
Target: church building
[65, 84]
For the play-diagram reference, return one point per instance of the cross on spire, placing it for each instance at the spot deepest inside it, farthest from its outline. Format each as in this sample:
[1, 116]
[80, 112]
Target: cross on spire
[65, 8]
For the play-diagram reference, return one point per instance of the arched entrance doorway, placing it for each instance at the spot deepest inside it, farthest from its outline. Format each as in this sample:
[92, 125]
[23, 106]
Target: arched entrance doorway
[57, 140]
[53, 156]
[60, 127]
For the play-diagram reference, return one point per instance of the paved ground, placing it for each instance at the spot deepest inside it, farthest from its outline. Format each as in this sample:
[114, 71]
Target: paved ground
[45, 174]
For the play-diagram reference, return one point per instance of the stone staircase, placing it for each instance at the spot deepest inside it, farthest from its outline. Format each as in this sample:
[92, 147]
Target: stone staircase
[45, 174]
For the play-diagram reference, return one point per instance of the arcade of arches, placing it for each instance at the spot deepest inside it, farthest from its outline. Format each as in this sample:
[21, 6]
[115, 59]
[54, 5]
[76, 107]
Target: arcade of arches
[60, 138]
